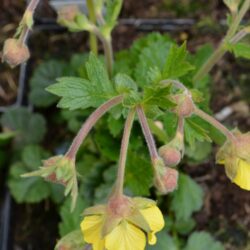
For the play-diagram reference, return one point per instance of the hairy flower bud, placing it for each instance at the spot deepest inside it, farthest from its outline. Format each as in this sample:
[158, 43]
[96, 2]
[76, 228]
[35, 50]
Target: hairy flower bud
[165, 178]
[170, 155]
[67, 14]
[59, 169]
[14, 52]
[185, 106]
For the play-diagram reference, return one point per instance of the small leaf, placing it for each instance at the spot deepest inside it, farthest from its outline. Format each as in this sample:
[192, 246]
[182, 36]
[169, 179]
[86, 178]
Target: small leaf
[241, 50]
[44, 75]
[30, 127]
[177, 64]
[113, 8]
[202, 241]
[78, 93]
[124, 84]
[188, 198]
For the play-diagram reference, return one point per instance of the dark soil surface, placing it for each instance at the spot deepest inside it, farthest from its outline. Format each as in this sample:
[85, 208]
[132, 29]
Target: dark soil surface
[226, 212]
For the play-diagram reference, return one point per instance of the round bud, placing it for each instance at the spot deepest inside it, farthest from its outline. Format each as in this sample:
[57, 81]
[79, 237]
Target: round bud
[166, 182]
[67, 14]
[14, 52]
[171, 156]
[185, 106]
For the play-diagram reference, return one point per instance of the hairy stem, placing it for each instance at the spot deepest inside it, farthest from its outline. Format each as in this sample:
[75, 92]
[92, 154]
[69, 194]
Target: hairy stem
[92, 17]
[147, 134]
[220, 51]
[215, 123]
[88, 125]
[32, 5]
[107, 46]
[123, 153]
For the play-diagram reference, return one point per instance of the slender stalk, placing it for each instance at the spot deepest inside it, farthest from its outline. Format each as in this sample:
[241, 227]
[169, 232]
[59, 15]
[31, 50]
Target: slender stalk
[215, 123]
[176, 83]
[92, 17]
[123, 153]
[147, 134]
[220, 51]
[32, 5]
[107, 46]
[88, 125]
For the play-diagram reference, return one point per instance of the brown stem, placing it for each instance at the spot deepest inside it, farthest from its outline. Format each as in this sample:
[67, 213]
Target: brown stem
[90, 122]
[32, 5]
[147, 134]
[123, 154]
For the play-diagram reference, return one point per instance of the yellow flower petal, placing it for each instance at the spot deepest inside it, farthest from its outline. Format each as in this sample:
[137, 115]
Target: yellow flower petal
[154, 218]
[242, 178]
[91, 227]
[152, 238]
[125, 237]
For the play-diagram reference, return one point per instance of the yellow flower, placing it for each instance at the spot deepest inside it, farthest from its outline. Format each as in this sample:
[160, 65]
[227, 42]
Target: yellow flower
[235, 155]
[123, 224]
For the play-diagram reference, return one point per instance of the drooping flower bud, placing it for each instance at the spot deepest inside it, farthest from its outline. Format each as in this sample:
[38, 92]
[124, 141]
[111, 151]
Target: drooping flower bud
[235, 155]
[14, 52]
[71, 17]
[59, 169]
[184, 105]
[170, 155]
[165, 178]
[67, 13]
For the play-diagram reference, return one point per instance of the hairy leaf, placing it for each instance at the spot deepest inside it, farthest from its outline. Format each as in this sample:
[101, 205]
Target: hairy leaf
[188, 198]
[202, 241]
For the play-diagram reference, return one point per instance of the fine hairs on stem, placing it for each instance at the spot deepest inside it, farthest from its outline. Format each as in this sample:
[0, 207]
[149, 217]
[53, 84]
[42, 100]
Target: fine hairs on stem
[147, 133]
[123, 153]
[88, 125]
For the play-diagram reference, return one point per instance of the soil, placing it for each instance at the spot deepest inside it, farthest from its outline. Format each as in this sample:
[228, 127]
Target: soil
[226, 212]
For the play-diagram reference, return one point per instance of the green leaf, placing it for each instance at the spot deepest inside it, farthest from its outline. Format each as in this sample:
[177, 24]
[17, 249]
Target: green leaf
[115, 125]
[45, 75]
[164, 241]
[202, 241]
[5, 137]
[184, 227]
[195, 132]
[188, 198]
[78, 93]
[139, 174]
[241, 50]
[124, 84]
[151, 63]
[177, 64]
[113, 8]
[70, 221]
[157, 95]
[71, 241]
[30, 127]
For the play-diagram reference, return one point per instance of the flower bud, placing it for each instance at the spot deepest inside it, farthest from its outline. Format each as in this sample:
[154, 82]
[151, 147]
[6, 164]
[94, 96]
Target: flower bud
[67, 14]
[166, 178]
[170, 155]
[14, 52]
[59, 169]
[185, 106]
